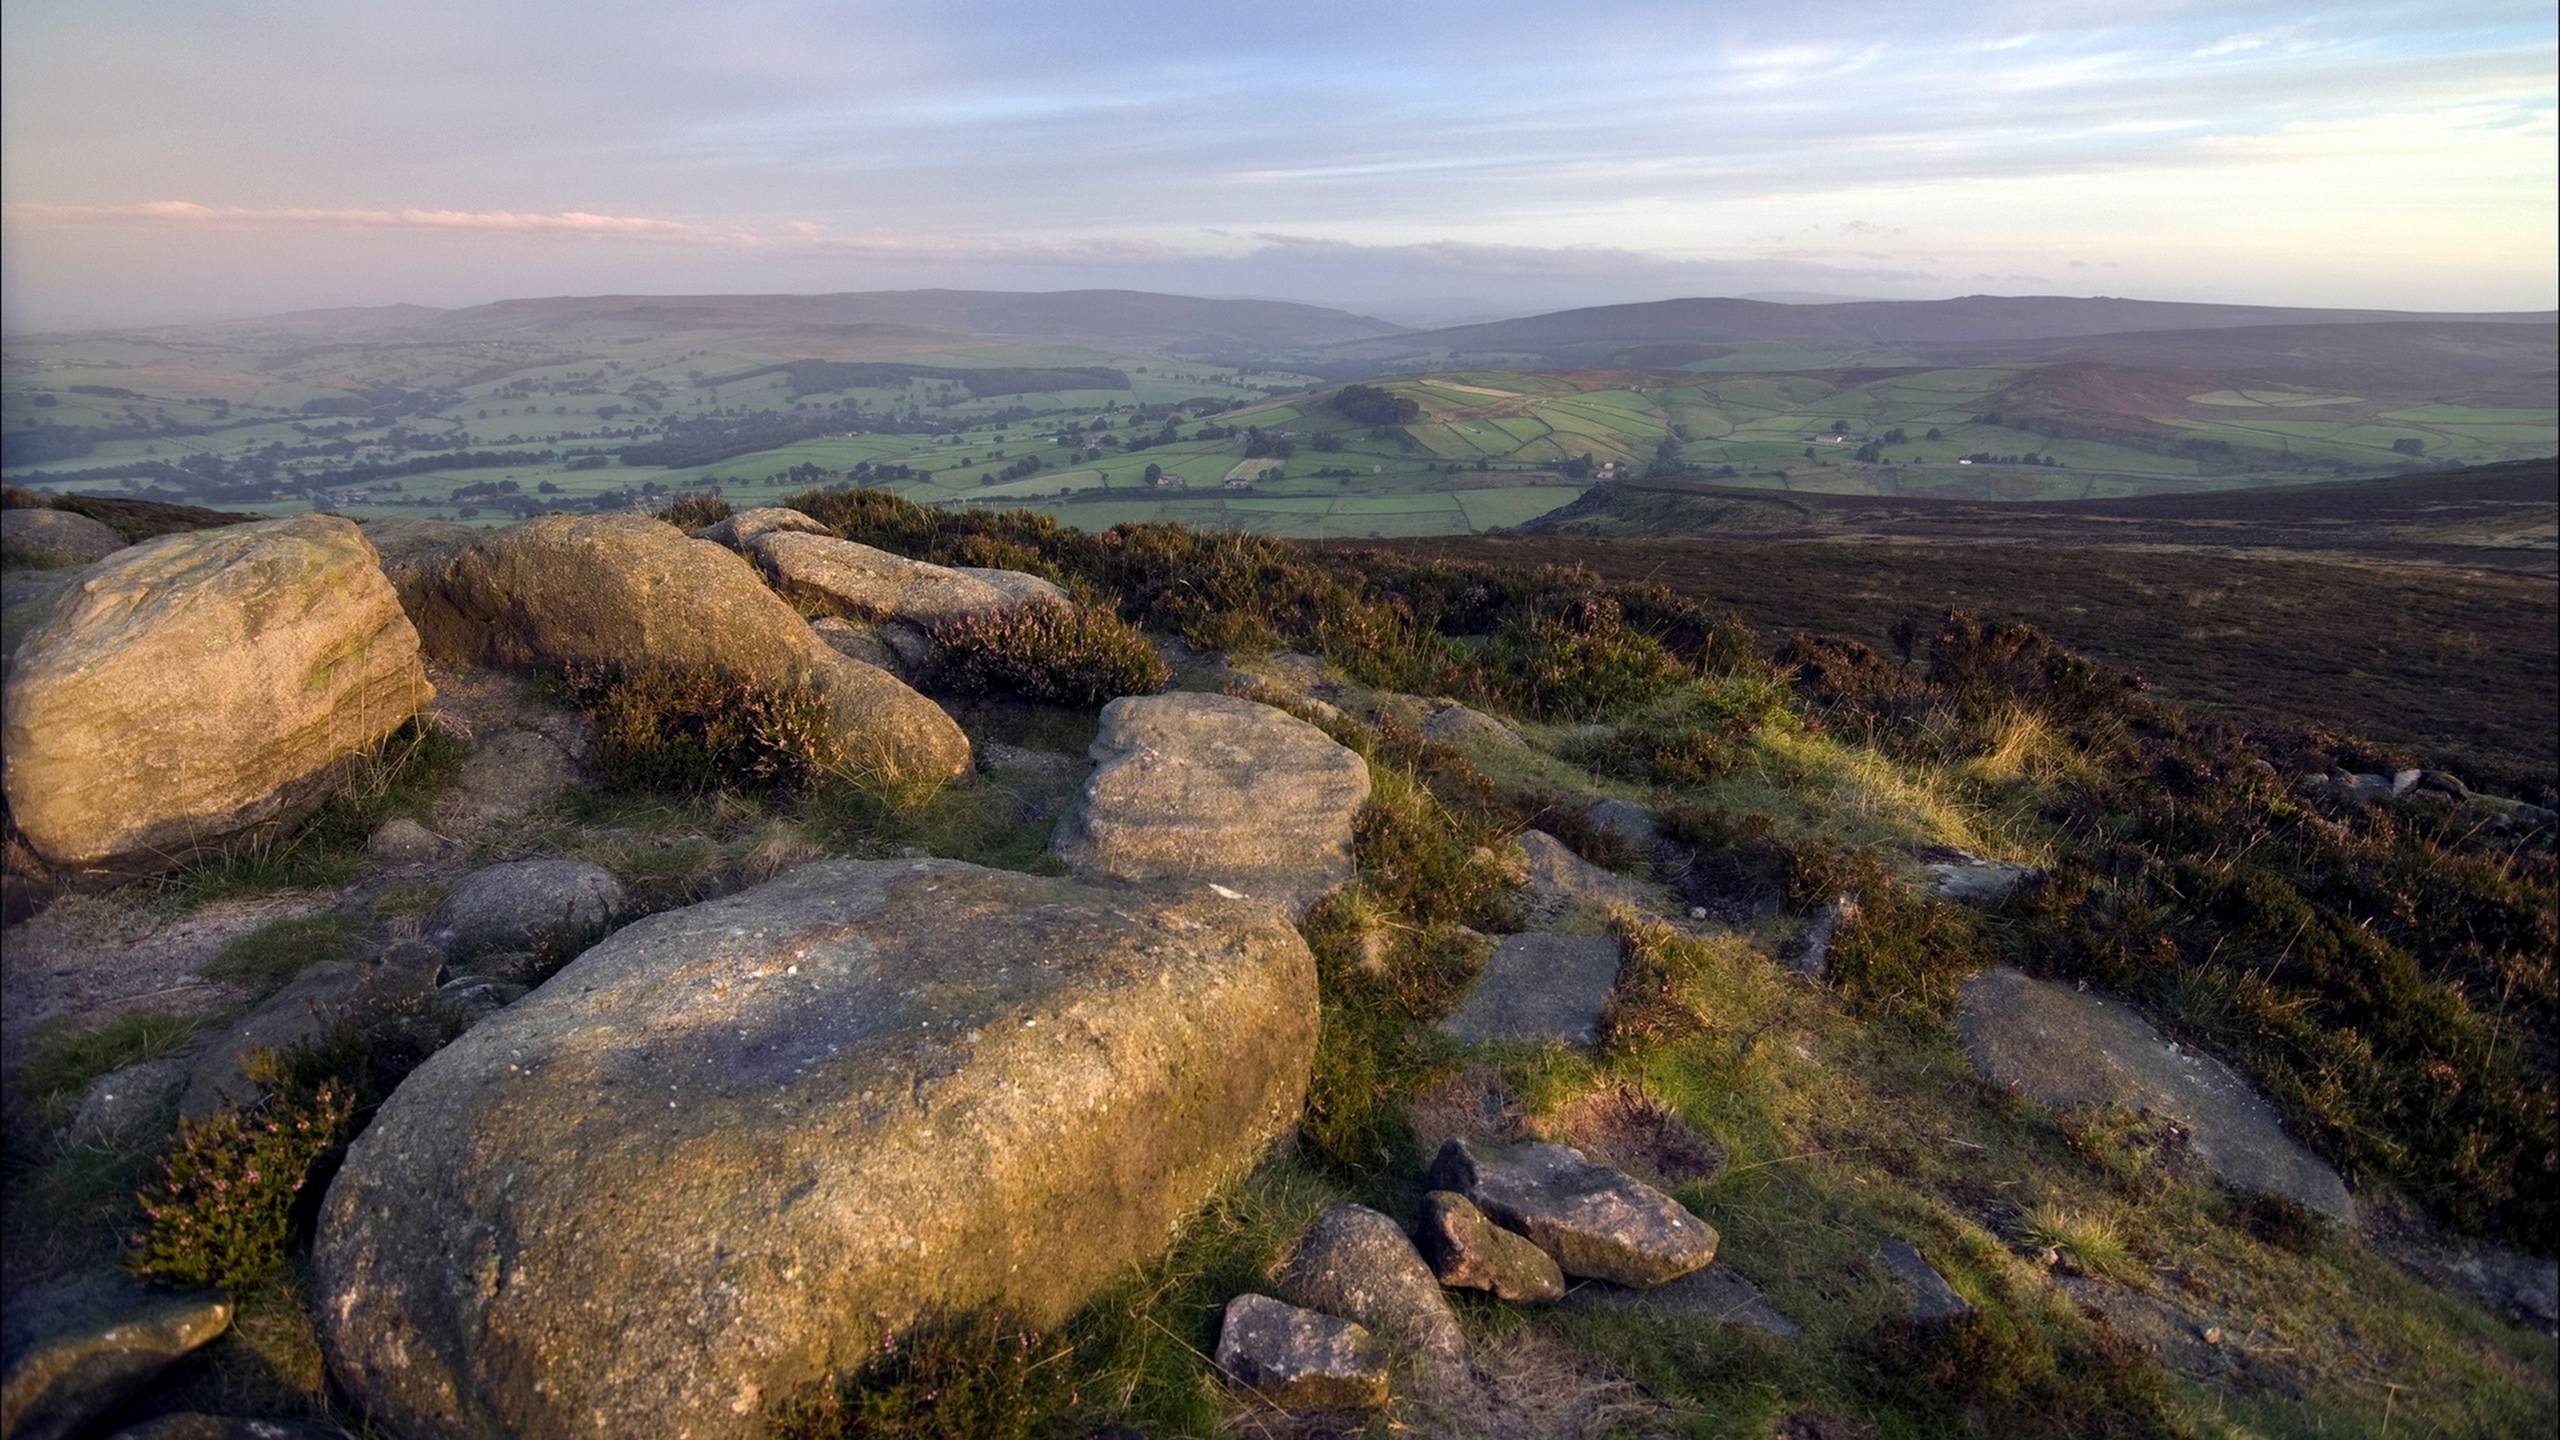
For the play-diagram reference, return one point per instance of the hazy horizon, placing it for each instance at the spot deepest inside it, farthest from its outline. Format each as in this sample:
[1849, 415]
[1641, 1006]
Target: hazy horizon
[165, 164]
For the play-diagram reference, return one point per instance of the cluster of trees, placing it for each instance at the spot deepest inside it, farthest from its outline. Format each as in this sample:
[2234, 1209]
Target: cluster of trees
[1028, 465]
[1373, 406]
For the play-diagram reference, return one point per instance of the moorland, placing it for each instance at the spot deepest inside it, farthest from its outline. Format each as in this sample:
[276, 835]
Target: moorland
[2012, 840]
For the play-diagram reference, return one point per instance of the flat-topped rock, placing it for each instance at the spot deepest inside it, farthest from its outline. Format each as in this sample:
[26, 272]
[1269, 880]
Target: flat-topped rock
[1718, 1294]
[201, 686]
[1972, 880]
[1467, 1251]
[1539, 988]
[1194, 790]
[2063, 1047]
[735, 1143]
[1598, 1223]
[1299, 1359]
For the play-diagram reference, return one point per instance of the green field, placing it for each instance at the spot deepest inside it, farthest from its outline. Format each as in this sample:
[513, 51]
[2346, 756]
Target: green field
[1486, 448]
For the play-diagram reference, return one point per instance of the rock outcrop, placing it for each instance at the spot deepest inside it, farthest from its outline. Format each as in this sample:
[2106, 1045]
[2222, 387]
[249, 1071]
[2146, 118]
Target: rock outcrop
[1214, 790]
[413, 551]
[887, 602]
[318, 1000]
[1928, 1298]
[1972, 880]
[1718, 1295]
[1469, 1252]
[627, 591]
[525, 907]
[1456, 724]
[1539, 988]
[746, 525]
[1356, 1263]
[200, 686]
[1560, 889]
[77, 1349]
[38, 539]
[128, 1105]
[1301, 1360]
[828, 576]
[734, 1144]
[1597, 1223]
[2063, 1047]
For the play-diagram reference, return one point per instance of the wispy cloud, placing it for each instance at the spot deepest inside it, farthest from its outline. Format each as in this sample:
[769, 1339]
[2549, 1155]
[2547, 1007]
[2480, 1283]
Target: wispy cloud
[188, 212]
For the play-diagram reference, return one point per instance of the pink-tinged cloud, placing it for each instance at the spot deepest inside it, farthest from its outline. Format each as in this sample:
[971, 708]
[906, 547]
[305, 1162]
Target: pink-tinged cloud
[798, 236]
[188, 212]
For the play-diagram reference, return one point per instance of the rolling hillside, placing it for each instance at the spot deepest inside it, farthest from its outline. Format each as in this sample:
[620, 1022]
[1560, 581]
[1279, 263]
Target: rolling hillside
[1649, 333]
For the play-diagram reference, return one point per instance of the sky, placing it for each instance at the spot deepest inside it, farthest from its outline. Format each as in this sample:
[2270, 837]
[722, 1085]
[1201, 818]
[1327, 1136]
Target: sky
[166, 160]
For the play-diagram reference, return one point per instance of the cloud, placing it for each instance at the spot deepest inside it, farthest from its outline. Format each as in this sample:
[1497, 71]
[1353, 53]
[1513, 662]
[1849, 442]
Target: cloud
[2233, 45]
[188, 212]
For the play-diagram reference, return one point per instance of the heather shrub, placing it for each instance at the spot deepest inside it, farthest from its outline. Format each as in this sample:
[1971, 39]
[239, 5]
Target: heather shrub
[223, 1208]
[991, 552]
[1058, 654]
[1576, 661]
[1694, 739]
[697, 730]
[1900, 953]
[692, 512]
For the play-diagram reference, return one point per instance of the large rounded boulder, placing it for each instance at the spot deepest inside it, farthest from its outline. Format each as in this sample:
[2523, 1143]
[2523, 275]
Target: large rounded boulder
[627, 591]
[199, 686]
[733, 1147]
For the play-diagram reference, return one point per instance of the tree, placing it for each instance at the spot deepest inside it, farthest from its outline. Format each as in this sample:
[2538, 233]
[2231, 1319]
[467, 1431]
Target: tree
[1373, 406]
[1839, 427]
[1155, 474]
[2410, 445]
[1935, 434]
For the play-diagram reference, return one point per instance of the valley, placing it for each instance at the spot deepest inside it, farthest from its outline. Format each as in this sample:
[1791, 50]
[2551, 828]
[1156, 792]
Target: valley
[1103, 408]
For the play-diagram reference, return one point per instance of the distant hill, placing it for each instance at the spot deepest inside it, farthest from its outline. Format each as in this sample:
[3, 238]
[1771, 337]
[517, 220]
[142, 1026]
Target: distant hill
[1125, 318]
[1648, 334]
[335, 321]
